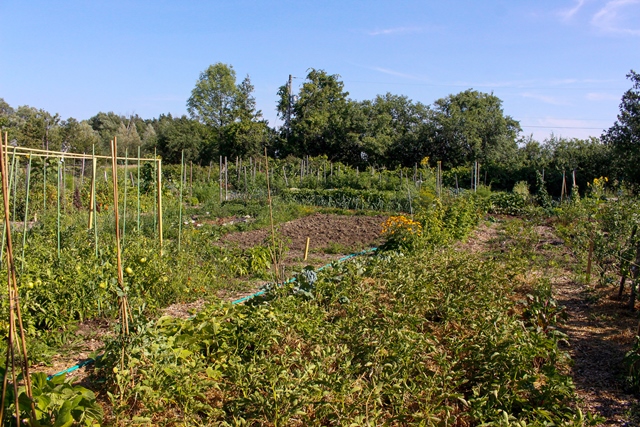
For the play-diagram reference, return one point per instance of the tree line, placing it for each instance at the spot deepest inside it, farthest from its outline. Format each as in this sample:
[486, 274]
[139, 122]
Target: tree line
[322, 120]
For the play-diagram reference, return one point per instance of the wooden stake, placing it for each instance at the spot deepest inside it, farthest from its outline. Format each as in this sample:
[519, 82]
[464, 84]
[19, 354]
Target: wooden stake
[273, 231]
[14, 306]
[306, 249]
[159, 181]
[122, 299]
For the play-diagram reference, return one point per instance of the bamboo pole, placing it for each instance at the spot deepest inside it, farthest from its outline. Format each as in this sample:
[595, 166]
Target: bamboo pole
[306, 249]
[58, 205]
[138, 183]
[10, 183]
[155, 199]
[92, 196]
[122, 297]
[159, 181]
[44, 184]
[15, 167]
[182, 177]
[69, 155]
[220, 179]
[273, 231]
[124, 201]
[226, 179]
[14, 306]
[26, 213]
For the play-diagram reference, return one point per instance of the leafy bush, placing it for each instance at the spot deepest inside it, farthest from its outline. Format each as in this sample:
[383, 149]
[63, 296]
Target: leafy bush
[507, 203]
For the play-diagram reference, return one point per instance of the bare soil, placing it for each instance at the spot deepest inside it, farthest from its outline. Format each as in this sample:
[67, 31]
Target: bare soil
[323, 230]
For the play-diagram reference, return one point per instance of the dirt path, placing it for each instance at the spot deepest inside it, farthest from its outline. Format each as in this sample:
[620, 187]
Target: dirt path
[600, 329]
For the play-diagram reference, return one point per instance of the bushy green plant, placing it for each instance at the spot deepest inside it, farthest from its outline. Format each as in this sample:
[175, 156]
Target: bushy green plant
[57, 403]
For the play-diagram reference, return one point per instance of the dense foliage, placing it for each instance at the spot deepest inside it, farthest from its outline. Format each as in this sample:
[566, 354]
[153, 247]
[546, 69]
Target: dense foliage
[321, 120]
[421, 334]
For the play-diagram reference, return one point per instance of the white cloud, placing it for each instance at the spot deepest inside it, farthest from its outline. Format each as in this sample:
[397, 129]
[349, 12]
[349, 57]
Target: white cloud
[599, 96]
[612, 18]
[397, 73]
[569, 13]
[544, 98]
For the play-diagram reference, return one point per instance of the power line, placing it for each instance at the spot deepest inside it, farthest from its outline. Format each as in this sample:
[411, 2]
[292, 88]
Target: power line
[495, 87]
[560, 127]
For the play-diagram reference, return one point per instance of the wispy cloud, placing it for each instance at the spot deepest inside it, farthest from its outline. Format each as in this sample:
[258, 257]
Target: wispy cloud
[599, 96]
[569, 13]
[544, 98]
[613, 16]
[396, 30]
[398, 73]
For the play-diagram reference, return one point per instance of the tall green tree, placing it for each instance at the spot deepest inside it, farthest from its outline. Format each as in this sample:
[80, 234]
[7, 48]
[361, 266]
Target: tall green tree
[79, 137]
[229, 110]
[471, 126]
[175, 135]
[396, 129]
[624, 136]
[213, 99]
[321, 121]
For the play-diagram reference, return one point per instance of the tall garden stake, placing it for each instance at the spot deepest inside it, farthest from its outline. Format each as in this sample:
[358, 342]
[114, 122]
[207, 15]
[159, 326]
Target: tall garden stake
[58, 203]
[124, 201]
[26, 214]
[6, 157]
[123, 303]
[92, 195]
[138, 189]
[182, 178]
[14, 312]
[159, 184]
[273, 230]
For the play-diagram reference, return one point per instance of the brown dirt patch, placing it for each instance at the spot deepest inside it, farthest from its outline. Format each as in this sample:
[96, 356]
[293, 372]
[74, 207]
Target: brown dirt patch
[341, 233]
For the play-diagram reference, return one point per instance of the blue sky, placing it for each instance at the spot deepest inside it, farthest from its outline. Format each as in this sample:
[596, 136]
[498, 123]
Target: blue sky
[559, 66]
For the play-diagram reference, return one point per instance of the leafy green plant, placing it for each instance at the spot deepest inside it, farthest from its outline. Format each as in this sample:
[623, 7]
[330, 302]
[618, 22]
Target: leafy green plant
[57, 402]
